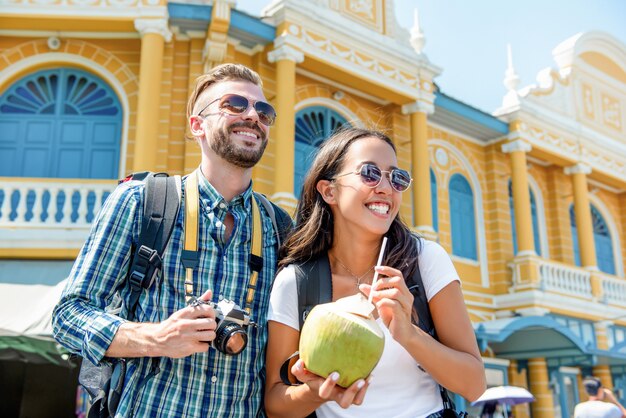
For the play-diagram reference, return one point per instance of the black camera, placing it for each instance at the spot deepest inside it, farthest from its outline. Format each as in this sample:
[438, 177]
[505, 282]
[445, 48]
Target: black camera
[232, 322]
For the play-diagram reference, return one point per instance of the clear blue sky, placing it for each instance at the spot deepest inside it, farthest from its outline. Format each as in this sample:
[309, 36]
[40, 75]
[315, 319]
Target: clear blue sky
[468, 38]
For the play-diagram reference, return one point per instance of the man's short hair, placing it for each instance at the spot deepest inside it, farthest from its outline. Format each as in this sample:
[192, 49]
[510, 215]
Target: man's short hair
[223, 72]
[592, 385]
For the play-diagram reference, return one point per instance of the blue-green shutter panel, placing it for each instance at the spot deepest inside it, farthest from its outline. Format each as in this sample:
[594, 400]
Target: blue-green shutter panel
[313, 125]
[433, 199]
[572, 221]
[462, 218]
[602, 240]
[535, 220]
[60, 123]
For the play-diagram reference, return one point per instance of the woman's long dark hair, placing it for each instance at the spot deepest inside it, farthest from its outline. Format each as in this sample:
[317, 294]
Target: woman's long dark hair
[313, 234]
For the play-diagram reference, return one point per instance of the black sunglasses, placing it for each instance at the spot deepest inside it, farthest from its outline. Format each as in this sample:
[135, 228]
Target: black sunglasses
[234, 104]
[371, 176]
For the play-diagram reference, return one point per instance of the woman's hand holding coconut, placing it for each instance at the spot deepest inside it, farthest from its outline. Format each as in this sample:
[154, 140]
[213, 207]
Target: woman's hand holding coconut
[327, 388]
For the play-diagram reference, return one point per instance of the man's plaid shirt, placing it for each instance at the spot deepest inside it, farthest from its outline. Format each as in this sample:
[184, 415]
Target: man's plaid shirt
[206, 384]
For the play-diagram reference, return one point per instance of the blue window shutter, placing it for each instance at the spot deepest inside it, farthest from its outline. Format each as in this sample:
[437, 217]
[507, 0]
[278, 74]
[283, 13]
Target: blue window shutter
[462, 218]
[512, 210]
[313, 125]
[603, 242]
[534, 217]
[433, 200]
[535, 221]
[572, 220]
[61, 123]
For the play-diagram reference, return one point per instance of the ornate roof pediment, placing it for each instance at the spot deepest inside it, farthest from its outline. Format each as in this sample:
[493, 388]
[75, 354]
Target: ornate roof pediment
[584, 98]
[589, 85]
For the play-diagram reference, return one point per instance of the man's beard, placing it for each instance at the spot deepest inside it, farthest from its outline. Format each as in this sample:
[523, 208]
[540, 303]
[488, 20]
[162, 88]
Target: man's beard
[222, 145]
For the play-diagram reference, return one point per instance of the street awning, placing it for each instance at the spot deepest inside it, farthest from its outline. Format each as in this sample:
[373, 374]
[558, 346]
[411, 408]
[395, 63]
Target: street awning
[527, 337]
[25, 323]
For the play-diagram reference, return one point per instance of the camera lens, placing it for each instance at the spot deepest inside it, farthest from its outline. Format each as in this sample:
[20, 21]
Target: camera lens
[231, 339]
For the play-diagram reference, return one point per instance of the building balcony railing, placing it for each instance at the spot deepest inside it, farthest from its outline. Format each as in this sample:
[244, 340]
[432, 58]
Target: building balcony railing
[613, 289]
[565, 279]
[558, 278]
[49, 213]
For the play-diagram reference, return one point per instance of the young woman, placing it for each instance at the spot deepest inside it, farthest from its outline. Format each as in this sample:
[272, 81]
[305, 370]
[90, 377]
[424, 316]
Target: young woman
[350, 200]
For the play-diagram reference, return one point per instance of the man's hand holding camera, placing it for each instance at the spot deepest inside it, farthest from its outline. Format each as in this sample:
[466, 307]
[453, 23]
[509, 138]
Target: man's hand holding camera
[187, 331]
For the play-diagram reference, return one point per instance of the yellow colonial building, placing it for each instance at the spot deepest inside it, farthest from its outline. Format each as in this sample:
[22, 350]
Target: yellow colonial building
[529, 201]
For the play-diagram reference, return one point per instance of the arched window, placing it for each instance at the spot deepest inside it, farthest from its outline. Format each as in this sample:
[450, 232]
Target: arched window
[313, 125]
[433, 200]
[535, 221]
[462, 218]
[601, 238]
[61, 123]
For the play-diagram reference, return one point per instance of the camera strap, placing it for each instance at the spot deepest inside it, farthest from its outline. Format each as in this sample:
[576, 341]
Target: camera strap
[256, 261]
[190, 251]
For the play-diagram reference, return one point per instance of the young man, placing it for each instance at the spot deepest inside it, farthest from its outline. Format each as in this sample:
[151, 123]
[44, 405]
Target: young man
[230, 119]
[601, 404]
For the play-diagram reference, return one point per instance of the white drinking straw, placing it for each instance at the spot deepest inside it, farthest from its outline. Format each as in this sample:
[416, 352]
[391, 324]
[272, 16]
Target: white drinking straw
[380, 260]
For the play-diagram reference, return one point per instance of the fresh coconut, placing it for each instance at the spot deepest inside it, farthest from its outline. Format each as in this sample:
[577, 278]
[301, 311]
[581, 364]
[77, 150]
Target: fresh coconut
[342, 336]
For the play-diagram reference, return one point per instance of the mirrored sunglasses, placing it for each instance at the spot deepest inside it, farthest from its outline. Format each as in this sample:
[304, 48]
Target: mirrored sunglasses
[234, 104]
[371, 176]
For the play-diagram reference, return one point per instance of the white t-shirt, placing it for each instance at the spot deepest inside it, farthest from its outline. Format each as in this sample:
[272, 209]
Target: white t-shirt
[399, 388]
[597, 409]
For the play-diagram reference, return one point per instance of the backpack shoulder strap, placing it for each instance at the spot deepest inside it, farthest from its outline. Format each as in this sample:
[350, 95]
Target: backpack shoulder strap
[315, 285]
[420, 303]
[282, 222]
[161, 205]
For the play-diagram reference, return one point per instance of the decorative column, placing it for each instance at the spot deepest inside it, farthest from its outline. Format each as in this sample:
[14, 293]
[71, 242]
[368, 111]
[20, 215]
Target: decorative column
[285, 57]
[420, 168]
[154, 34]
[526, 262]
[517, 377]
[521, 196]
[603, 371]
[543, 407]
[582, 208]
[584, 225]
[193, 153]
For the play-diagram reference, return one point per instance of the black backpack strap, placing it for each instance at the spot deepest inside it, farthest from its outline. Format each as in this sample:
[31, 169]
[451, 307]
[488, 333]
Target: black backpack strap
[161, 205]
[420, 303]
[315, 285]
[282, 222]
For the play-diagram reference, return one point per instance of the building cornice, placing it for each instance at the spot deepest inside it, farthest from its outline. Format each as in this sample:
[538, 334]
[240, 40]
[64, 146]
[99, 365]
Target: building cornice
[96, 8]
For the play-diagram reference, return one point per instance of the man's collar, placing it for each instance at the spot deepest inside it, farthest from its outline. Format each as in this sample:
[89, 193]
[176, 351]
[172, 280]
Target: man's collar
[211, 198]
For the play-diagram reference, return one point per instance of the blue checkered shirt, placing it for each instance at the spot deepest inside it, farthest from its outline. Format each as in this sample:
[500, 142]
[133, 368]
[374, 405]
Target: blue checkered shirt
[207, 384]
